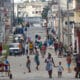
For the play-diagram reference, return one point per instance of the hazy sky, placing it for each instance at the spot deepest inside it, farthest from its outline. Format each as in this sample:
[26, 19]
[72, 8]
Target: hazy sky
[18, 0]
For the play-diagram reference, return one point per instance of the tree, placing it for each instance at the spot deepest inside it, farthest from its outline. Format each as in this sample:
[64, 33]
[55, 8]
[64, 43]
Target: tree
[45, 12]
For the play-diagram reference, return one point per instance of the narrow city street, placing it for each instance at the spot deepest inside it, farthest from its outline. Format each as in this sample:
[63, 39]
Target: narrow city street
[32, 31]
[19, 70]
[18, 63]
[42, 34]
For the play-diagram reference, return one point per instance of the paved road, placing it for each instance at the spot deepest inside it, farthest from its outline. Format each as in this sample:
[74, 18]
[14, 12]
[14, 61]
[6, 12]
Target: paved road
[18, 64]
[32, 31]
[19, 71]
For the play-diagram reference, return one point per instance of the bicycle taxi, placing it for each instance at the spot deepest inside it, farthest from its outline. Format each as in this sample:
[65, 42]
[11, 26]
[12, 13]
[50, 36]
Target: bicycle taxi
[5, 68]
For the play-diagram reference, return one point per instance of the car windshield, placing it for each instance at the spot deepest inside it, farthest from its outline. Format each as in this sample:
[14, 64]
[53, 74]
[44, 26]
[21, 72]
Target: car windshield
[11, 46]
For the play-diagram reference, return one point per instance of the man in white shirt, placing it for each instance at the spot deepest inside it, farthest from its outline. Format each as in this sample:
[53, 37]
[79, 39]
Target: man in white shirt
[26, 48]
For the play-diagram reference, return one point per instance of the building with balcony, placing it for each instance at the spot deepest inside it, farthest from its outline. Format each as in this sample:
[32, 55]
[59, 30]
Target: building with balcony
[6, 17]
[58, 17]
[77, 22]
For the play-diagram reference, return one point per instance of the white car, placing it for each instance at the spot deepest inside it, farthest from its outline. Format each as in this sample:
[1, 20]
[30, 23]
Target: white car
[15, 49]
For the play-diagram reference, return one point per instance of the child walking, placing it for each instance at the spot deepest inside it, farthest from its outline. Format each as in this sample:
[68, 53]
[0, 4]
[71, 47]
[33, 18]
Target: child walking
[60, 70]
[28, 64]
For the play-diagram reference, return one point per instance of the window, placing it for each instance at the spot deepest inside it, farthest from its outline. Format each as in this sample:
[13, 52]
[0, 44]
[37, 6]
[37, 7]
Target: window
[36, 12]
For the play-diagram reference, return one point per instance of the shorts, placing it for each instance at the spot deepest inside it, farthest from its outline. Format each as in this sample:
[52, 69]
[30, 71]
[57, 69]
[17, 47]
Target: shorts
[38, 63]
[68, 65]
[59, 74]
[31, 49]
[6, 68]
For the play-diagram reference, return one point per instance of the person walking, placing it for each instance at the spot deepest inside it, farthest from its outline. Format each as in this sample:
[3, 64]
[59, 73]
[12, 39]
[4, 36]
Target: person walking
[68, 59]
[49, 64]
[56, 47]
[31, 48]
[60, 70]
[60, 50]
[26, 48]
[43, 50]
[36, 58]
[77, 74]
[28, 64]
[40, 45]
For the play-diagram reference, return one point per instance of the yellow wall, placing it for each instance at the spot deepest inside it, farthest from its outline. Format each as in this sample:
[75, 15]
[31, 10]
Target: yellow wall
[77, 17]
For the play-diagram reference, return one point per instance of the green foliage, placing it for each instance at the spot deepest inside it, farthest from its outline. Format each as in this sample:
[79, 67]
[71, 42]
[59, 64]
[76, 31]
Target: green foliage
[45, 12]
[6, 47]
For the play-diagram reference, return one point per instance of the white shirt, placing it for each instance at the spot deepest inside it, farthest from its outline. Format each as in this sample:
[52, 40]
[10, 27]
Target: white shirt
[60, 68]
[26, 46]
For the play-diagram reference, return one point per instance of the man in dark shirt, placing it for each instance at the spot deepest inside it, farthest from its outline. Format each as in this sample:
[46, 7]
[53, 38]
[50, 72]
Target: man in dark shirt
[77, 65]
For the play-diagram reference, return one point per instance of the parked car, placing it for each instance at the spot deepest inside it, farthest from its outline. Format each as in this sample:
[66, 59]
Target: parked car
[15, 49]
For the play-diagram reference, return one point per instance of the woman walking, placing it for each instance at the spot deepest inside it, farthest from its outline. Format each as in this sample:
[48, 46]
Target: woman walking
[49, 65]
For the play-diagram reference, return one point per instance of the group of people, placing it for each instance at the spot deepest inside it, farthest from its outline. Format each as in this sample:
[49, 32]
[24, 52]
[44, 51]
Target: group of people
[58, 47]
[36, 59]
[48, 67]
[30, 48]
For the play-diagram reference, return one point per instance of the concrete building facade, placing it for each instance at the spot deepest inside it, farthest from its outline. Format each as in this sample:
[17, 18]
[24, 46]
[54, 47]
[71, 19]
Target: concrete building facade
[30, 9]
[6, 16]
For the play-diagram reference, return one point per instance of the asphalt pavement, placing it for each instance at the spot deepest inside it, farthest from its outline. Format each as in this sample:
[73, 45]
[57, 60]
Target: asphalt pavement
[20, 72]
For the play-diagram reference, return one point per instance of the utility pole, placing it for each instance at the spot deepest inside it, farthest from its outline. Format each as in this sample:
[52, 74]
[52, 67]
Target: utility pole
[59, 14]
[68, 22]
[13, 13]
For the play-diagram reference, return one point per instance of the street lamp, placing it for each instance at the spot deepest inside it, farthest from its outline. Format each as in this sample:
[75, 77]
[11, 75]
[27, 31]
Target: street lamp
[68, 21]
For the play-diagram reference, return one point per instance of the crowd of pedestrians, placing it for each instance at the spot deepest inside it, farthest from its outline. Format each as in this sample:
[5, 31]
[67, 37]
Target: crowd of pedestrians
[32, 48]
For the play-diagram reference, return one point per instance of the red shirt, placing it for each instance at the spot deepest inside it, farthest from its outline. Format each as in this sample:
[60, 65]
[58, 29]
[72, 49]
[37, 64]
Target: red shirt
[0, 48]
[43, 48]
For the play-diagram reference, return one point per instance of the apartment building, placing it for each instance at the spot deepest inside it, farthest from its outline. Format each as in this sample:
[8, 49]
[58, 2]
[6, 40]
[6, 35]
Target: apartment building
[6, 16]
[30, 9]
